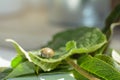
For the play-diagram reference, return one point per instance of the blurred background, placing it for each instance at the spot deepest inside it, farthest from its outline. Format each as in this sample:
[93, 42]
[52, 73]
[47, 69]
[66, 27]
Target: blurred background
[33, 22]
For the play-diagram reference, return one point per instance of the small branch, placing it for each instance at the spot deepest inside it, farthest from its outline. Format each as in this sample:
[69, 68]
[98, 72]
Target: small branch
[80, 70]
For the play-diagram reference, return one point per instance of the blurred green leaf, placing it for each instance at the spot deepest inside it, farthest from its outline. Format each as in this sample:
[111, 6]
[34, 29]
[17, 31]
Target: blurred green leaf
[22, 69]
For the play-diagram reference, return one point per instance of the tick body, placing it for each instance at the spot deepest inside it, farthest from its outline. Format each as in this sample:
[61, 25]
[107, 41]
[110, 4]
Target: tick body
[47, 52]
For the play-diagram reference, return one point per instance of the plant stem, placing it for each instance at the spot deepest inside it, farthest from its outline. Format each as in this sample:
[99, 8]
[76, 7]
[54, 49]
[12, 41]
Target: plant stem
[80, 70]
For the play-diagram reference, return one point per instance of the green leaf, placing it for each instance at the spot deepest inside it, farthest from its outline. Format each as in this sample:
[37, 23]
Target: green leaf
[81, 40]
[48, 76]
[22, 69]
[99, 68]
